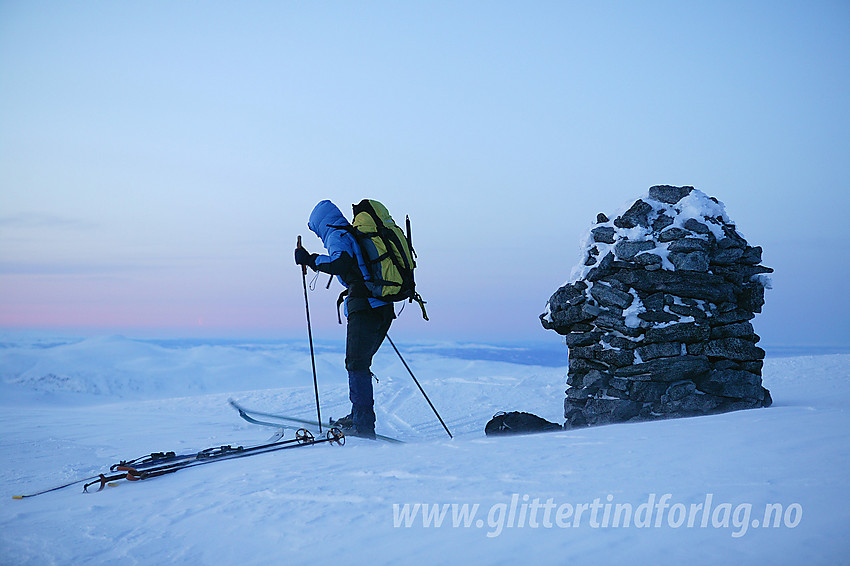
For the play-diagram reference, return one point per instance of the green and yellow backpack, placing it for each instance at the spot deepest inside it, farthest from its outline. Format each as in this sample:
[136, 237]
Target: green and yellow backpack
[387, 252]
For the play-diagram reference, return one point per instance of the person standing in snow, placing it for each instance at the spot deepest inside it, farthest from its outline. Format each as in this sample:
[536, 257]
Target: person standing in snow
[368, 318]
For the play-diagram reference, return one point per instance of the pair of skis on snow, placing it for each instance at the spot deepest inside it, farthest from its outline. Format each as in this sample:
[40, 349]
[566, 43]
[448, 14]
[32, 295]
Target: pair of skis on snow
[162, 463]
[284, 422]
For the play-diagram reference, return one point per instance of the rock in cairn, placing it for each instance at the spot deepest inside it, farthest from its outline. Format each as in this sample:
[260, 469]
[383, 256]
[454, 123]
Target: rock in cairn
[657, 315]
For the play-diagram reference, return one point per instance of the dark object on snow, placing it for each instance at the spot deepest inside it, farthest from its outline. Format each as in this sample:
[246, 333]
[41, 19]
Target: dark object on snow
[518, 423]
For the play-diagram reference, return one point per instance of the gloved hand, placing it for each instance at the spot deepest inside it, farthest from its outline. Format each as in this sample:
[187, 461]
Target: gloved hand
[303, 257]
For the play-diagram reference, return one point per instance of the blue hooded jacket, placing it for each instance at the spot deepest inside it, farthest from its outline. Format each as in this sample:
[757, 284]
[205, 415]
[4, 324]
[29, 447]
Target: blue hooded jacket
[324, 222]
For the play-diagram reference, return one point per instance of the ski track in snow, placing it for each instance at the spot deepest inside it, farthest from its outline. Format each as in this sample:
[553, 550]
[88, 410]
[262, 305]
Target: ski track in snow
[71, 408]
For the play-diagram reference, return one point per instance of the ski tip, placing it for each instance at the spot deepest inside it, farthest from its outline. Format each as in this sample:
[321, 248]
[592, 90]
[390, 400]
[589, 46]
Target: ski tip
[17, 497]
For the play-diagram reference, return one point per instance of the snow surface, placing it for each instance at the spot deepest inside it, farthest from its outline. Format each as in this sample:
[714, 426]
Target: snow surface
[73, 407]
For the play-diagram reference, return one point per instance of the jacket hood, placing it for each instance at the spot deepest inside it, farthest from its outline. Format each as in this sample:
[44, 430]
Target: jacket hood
[324, 215]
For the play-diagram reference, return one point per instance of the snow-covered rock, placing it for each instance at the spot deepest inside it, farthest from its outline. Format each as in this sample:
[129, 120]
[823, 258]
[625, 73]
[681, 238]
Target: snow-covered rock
[656, 314]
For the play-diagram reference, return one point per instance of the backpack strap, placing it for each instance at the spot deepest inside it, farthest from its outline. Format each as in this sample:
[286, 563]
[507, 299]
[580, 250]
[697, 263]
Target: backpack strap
[370, 263]
[339, 302]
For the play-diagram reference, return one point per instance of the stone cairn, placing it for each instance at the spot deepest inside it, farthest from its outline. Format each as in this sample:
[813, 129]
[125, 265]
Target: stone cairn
[657, 315]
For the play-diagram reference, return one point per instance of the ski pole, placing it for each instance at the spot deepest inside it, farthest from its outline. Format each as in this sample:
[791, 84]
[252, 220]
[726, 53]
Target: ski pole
[310, 336]
[58, 487]
[416, 381]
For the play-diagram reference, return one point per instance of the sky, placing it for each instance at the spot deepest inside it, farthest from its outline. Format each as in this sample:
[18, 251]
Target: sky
[159, 159]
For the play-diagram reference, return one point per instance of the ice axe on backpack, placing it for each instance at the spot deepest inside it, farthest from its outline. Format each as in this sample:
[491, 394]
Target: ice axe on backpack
[310, 337]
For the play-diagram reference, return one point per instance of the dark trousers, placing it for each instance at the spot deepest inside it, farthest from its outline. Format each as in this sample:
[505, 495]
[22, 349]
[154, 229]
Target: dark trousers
[365, 332]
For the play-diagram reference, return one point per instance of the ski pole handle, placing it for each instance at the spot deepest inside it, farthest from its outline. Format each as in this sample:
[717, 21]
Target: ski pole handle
[298, 245]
